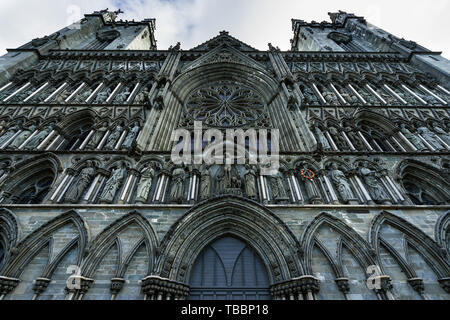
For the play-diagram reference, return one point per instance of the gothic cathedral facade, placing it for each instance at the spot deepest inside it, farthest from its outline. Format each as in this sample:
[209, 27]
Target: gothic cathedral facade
[93, 207]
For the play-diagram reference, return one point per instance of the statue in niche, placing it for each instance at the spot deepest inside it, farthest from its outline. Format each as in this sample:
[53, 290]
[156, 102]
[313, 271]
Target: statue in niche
[10, 133]
[330, 98]
[22, 137]
[415, 140]
[102, 96]
[177, 189]
[388, 98]
[61, 98]
[351, 99]
[83, 96]
[354, 139]
[113, 184]
[2, 126]
[228, 176]
[145, 184]
[342, 185]
[220, 182]
[205, 183]
[277, 187]
[97, 136]
[84, 179]
[321, 138]
[5, 167]
[128, 143]
[373, 184]
[441, 133]
[39, 137]
[250, 182]
[113, 137]
[430, 137]
[122, 97]
[309, 97]
[142, 97]
[311, 189]
[338, 139]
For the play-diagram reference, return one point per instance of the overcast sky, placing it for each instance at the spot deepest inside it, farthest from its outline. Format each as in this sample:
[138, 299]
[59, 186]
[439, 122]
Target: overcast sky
[256, 22]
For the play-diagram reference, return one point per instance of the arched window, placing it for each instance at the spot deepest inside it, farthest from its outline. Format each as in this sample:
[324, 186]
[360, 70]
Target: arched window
[36, 190]
[423, 185]
[418, 195]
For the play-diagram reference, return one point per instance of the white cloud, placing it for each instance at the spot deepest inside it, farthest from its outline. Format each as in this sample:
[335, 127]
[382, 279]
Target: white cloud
[256, 22]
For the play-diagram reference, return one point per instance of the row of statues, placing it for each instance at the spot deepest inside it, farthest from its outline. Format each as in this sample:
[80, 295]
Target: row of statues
[120, 98]
[331, 98]
[32, 137]
[437, 138]
[91, 185]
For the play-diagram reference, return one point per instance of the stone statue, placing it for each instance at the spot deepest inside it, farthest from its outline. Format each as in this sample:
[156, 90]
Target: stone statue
[83, 96]
[250, 182]
[9, 133]
[22, 137]
[221, 183]
[373, 185]
[340, 181]
[228, 176]
[441, 133]
[123, 96]
[338, 139]
[2, 126]
[113, 184]
[39, 137]
[128, 143]
[4, 169]
[97, 136]
[322, 139]
[145, 184]
[205, 183]
[84, 179]
[354, 139]
[177, 189]
[415, 140]
[141, 97]
[113, 137]
[102, 96]
[277, 187]
[431, 138]
[330, 98]
[62, 97]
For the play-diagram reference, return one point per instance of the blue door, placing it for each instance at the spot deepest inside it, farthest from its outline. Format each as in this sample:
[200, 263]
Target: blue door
[229, 270]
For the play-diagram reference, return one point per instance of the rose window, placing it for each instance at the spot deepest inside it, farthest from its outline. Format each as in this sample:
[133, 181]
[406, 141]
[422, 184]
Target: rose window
[225, 104]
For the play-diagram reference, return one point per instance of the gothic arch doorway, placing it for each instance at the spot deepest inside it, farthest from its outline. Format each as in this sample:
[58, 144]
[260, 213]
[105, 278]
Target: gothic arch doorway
[228, 269]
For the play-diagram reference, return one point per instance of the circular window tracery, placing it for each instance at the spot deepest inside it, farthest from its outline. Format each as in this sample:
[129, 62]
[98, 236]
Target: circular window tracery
[225, 104]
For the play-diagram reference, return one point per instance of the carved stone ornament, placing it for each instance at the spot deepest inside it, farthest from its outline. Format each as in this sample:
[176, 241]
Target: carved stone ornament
[339, 37]
[107, 35]
[225, 104]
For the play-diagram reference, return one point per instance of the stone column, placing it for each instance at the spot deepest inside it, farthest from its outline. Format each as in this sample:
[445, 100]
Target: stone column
[39, 286]
[130, 183]
[7, 285]
[63, 186]
[344, 286]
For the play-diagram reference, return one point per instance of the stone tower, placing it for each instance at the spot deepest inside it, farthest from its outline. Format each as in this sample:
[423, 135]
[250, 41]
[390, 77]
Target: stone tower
[93, 204]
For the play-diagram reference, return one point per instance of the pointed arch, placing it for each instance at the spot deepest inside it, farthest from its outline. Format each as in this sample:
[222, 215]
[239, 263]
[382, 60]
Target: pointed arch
[358, 247]
[231, 216]
[443, 232]
[31, 245]
[418, 239]
[108, 237]
[9, 234]
[423, 183]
